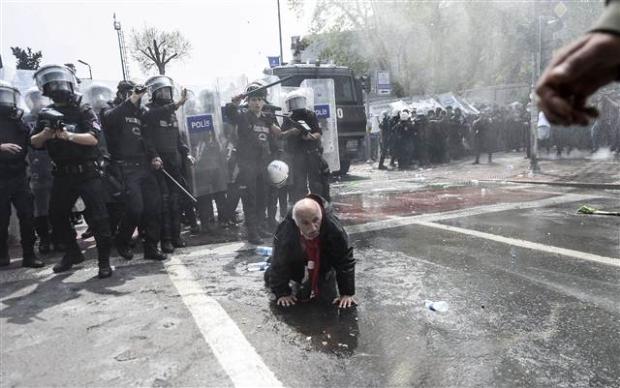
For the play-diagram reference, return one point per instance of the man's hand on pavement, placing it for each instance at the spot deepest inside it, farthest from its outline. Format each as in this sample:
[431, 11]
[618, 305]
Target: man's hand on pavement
[574, 74]
[345, 301]
[286, 301]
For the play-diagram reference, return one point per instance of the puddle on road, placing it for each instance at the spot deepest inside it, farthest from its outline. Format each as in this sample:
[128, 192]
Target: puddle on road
[325, 327]
[362, 208]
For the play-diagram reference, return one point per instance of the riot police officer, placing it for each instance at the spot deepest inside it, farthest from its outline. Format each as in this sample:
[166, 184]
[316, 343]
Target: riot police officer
[41, 178]
[303, 141]
[70, 131]
[14, 141]
[161, 129]
[256, 130]
[134, 159]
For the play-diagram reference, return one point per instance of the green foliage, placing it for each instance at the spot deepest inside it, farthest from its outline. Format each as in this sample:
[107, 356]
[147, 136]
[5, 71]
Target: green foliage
[27, 59]
[436, 46]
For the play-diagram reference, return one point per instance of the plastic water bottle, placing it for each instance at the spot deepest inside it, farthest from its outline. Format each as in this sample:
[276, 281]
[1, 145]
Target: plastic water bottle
[260, 266]
[440, 306]
[264, 251]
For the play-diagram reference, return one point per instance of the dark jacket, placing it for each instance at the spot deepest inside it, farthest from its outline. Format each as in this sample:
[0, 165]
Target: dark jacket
[15, 131]
[78, 119]
[122, 127]
[289, 259]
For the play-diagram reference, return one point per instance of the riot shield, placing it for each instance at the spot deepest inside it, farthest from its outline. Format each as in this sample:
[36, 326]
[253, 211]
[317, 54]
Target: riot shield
[97, 96]
[325, 109]
[203, 126]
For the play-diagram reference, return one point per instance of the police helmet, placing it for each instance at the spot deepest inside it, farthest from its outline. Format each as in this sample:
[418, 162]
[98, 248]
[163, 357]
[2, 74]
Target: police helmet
[98, 95]
[160, 87]
[278, 173]
[56, 82]
[250, 90]
[9, 96]
[295, 100]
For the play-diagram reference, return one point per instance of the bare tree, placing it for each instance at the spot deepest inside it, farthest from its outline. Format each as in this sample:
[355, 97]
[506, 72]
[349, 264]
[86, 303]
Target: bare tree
[152, 47]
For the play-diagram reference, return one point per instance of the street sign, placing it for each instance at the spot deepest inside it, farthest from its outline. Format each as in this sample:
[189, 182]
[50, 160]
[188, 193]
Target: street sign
[273, 61]
[384, 86]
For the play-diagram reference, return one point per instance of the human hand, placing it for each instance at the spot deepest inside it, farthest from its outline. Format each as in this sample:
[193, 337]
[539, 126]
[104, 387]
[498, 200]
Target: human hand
[574, 74]
[62, 134]
[237, 99]
[10, 148]
[309, 136]
[157, 163]
[345, 301]
[191, 159]
[286, 301]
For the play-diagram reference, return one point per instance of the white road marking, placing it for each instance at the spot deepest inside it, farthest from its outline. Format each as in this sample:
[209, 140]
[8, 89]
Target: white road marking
[526, 244]
[233, 351]
[429, 220]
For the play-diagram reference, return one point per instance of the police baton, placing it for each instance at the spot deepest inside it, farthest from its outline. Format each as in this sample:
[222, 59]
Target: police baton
[266, 86]
[179, 185]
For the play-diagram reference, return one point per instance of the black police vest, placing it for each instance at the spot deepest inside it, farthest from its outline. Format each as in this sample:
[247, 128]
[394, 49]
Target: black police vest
[78, 119]
[163, 129]
[16, 132]
[254, 139]
[123, 132]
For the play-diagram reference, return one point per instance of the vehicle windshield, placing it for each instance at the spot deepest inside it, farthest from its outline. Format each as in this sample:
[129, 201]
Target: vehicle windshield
[345, 93]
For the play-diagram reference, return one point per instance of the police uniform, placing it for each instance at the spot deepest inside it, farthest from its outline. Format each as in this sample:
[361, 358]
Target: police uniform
[308, 165]
[253, 155]
[14, 190]
[41, 180]
[131, 156]
[161, 129]
[76, 174]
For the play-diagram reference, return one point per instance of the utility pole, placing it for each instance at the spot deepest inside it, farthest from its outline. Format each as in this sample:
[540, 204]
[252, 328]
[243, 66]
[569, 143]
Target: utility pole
[90, 71]
[121, 47]
[280, 32]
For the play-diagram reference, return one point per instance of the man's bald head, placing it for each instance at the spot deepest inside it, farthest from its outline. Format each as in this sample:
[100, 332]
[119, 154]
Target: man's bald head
[308, 215]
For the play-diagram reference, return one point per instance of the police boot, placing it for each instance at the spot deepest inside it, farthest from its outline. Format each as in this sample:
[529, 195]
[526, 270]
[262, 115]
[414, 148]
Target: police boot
[105, 271]
[71, 257]
[253, 237]
[179, 242]
[31, 260]
[167, 247]
[41, 225]
[5, 259]
[124, 250]
[152, 253]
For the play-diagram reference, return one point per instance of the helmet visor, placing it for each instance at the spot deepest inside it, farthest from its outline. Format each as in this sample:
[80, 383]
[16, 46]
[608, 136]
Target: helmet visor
[8, 96]
[53, 73]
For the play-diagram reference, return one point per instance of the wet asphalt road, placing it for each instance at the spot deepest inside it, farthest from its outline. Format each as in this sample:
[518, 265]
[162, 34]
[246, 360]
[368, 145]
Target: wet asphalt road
[519, 315]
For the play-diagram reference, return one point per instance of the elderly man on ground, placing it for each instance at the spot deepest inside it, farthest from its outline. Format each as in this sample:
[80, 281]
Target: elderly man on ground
[311, 256]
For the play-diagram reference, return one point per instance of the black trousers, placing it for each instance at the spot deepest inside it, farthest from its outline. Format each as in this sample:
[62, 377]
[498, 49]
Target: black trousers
[142, 206]
[15, 191]
[310, 174]
[277, 196]
[205, 208]
[65, 191]
[253, 187]
[170, 200]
